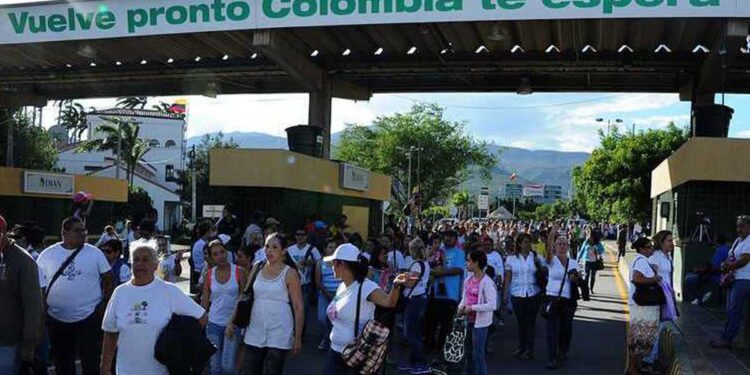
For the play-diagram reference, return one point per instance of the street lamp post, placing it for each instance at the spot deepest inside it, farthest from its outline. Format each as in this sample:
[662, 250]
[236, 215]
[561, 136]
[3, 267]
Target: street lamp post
[609, 123]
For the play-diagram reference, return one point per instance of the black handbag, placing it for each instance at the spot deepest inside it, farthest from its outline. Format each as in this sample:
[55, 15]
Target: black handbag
[245, 302]
[403, 300]
[599, 265]
[553, 305]
[541, 275]
[649, 295]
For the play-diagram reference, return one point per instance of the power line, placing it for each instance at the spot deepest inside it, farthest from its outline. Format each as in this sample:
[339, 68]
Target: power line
[513, 107]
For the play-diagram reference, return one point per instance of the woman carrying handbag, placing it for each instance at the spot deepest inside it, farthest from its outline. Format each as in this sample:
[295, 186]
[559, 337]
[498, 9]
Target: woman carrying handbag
[478, 303]
[559, 305]
[645, 300]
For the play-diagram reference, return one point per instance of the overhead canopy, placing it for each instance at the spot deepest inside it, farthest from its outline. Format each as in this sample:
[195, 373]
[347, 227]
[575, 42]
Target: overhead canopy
[571, 49]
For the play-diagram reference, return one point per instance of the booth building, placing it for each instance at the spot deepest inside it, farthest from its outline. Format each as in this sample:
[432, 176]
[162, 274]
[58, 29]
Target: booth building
[290, 187]
[46, 198]
[699, 191]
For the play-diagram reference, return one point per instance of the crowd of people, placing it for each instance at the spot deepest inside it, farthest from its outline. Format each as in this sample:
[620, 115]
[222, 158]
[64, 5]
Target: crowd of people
[254, 290]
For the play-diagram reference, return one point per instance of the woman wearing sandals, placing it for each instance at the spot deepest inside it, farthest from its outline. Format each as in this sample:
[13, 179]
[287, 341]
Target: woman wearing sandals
[478, 303]
[563, 273]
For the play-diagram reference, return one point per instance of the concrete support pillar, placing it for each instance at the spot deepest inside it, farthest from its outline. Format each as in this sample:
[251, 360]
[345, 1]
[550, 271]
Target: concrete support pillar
[319, 114]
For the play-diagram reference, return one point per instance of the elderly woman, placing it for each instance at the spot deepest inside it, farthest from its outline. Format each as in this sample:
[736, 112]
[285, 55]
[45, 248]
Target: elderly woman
[137, 313]
[644, 320]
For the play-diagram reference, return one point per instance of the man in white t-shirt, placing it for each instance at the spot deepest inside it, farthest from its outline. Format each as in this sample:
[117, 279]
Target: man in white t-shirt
[74, 292]
[394, 258]
[305, 256]
[739, 292]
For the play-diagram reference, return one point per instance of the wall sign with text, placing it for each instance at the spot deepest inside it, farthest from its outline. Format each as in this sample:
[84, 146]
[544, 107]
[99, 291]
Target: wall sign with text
[25, 23]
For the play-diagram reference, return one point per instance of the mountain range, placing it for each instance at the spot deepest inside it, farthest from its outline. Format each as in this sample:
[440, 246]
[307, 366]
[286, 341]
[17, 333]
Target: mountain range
[530, 166]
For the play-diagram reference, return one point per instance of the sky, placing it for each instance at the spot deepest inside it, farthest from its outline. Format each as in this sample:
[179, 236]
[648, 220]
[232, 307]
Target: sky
[563, 122]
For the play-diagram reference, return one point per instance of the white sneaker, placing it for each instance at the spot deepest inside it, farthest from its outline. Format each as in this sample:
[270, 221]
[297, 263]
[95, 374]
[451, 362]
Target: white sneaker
[706, 297]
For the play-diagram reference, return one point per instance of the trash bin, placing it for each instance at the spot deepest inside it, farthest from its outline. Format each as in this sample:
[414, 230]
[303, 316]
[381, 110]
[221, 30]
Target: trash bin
[305, 139]
[712, 120]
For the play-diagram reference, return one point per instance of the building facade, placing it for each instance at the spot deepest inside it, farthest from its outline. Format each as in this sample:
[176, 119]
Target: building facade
[158, 170]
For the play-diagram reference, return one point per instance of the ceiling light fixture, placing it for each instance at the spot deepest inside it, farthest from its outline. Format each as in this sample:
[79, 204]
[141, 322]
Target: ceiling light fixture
[118, 63]
[481, 49]
[588, 48]
[144, 62]
[197, 59]
[346, 52]
[170, 60]
[225, 57]
[625, 48]
[411, 50]
[517, 49]
[314, 53]
[254, 56]
[379, 51]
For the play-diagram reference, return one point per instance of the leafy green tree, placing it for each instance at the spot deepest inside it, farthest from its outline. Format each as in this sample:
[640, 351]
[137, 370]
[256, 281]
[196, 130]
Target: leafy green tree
[72, 116]
[556, 210]
[447, 152]
[32, 146]
[132, 102]
[198, 161]
[462, 200]
[614, 184]
[116, 130]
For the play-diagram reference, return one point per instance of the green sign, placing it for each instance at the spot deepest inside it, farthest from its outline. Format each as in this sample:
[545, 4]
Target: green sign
[26, 23]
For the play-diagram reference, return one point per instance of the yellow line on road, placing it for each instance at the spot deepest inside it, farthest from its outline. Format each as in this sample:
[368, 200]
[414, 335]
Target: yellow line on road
[622, 289]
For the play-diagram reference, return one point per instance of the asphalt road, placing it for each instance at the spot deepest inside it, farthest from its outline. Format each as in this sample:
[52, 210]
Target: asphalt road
[599, 338]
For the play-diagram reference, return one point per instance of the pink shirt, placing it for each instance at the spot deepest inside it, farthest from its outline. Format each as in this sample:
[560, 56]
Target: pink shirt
[472, 295]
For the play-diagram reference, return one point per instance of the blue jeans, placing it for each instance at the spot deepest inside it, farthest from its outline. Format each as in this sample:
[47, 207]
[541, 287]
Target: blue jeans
[476, 344]
[223, 361]
[414, 316]
[654, 354]
[736, 299]
[8, 359]
[335, 365]
[323, 322]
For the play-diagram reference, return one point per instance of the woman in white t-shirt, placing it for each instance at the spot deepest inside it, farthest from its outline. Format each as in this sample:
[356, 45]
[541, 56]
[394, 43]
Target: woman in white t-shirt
[137, 313]
[416, 292]
[644, 320]
[220, 293]
[661, 260]
[563, 274]
[274, 329]
[351, 268]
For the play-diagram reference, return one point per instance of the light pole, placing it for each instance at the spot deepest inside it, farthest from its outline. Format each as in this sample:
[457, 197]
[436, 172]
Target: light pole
[409, 152]
[609, 122]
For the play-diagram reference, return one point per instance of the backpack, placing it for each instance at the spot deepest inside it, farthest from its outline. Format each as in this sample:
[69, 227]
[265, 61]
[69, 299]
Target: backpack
[367, 352]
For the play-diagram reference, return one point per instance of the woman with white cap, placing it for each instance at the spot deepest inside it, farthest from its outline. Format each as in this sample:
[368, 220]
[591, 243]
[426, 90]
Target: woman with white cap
[351, 268]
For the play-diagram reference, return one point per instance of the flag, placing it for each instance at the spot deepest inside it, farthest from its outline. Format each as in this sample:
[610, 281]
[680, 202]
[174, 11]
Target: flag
[179, 106]
[513, 177]
[533, 190]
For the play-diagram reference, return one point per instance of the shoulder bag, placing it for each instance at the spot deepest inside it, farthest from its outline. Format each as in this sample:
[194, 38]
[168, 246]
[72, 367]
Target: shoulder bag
[245, 301]
[727, 278]
[553, 305]
[404, 299]
[60, 270]
[366, 353]
[649, 295]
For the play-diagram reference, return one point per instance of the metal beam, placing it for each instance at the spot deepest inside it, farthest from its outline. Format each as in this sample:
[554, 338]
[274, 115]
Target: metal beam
[310, 76]
[21, 100]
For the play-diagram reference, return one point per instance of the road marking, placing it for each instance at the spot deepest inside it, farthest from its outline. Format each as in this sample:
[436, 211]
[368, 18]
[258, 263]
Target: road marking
[622, 289]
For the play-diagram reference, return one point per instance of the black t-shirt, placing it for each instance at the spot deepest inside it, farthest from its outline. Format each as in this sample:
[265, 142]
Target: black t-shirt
[230, 228]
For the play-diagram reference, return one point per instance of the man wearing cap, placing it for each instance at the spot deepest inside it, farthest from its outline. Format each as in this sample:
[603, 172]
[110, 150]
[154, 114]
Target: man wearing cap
[253, 233]
[78, 280]
[21, 306]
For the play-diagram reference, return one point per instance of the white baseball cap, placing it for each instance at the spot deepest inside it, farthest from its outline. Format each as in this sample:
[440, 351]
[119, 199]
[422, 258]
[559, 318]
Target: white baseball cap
[346, 252]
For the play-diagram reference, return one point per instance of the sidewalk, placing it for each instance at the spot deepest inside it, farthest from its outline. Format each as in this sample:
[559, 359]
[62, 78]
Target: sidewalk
[697, 326]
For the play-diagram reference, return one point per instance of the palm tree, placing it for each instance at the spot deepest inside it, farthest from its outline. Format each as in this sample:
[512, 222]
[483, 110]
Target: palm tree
[132, 102]
[73, 117]
[461, 200]
[131, 147]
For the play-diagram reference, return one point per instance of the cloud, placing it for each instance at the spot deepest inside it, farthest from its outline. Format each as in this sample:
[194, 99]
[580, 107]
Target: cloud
[742, 134]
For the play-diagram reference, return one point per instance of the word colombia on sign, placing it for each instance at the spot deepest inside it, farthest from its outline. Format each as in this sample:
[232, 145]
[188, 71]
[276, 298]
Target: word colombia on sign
[121, 18]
